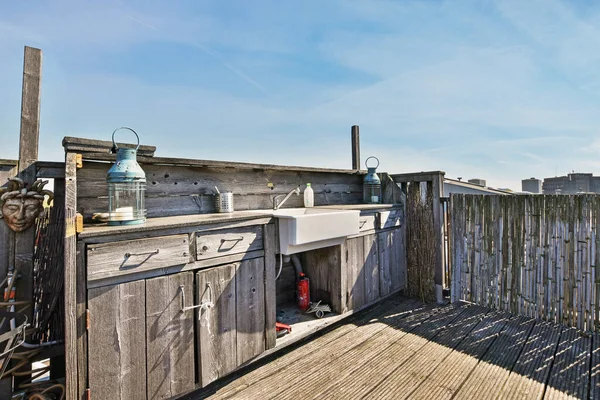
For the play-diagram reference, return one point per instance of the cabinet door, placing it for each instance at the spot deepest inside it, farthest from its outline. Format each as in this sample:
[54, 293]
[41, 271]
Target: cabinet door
[117, 341]
[216, 326]
[250, 299]
[355, 274]
[362, 269]
[232, 331]
[392, 261]
[371, 267]
[170, 336]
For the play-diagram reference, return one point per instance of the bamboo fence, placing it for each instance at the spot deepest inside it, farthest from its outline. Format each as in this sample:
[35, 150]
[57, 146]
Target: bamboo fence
[533, 255]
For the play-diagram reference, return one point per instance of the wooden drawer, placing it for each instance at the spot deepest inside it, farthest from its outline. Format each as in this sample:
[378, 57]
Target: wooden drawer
[132, 256]
[366, 222]
[389, 219]
[228, 241]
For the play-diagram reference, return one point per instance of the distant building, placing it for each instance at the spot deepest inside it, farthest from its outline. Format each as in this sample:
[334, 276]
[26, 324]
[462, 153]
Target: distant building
[572, 184]
[457, 186]
[531, 185]
[478, 182]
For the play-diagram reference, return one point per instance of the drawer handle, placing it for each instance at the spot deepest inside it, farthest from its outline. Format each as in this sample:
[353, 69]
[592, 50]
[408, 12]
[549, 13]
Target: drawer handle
[204, 305]
[362, 224]
[236, 240]
[148, 253]
[234, 243]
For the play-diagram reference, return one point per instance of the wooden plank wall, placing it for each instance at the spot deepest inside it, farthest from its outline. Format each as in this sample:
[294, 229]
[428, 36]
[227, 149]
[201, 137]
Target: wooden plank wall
[184, 190]
[530, 255]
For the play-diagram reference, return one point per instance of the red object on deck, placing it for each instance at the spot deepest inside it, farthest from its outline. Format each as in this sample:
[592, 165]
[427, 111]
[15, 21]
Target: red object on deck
[281, 326]
[303, 293]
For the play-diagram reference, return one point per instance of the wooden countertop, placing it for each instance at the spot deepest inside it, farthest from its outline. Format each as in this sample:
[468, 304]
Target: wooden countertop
[363, 207]
[152, 224]
[93, 230]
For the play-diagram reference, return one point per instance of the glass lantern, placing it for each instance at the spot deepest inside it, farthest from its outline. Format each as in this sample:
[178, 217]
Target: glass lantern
[126, 187]
[371, 184]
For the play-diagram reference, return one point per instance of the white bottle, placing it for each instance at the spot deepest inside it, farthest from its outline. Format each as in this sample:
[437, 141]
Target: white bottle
[309, 196]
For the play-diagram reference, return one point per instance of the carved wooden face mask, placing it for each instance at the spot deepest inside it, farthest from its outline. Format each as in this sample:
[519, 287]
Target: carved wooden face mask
[20, 206]
[20, 214]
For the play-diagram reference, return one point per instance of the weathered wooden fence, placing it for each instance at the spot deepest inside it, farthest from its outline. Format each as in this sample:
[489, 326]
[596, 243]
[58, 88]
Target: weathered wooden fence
[530, 255]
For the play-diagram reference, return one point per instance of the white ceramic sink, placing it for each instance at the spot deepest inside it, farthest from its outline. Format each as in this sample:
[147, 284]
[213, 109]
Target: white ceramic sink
[302, 229]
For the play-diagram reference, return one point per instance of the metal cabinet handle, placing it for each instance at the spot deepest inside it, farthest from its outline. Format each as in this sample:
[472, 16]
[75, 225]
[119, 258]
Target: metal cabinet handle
[149, 253]
[362, 224]
[204, 305]
[237, 240]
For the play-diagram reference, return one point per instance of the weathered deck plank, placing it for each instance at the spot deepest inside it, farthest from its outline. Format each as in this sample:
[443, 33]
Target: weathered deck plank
[233, 385]
[595, 370]
[569, 376]
[495, 366]
[404, 349]
[445, 380]
[406, 334]
[528, 377]
[347, 350]
[443, 328]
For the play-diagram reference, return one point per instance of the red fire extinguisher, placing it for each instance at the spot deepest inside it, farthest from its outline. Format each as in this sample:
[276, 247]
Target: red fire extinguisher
[303, 292]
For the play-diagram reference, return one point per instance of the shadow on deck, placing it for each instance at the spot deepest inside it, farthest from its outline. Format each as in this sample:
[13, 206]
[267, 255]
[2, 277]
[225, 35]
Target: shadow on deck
[405, 349]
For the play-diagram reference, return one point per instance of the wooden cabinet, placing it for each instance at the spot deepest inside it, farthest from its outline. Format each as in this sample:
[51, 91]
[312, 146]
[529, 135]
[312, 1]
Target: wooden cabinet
[142, 333]
[232, 330]
[157, 337]
[228, 241]
[170, 313]
[117, 341]
[140, 339]
[133, 256]
[362, 271]
[375, 266]
[392, 261]
[359, 272]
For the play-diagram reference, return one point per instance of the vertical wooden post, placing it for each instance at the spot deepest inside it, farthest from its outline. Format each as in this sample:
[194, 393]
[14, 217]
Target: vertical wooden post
[30, 108]
[23, 243]
[438, 226]
[355, 148]
[70, 273]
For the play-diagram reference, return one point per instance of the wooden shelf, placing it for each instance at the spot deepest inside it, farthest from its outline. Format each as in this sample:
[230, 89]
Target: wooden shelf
[302, 324]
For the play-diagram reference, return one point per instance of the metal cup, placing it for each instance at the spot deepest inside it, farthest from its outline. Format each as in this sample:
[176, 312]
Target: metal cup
[224, 202]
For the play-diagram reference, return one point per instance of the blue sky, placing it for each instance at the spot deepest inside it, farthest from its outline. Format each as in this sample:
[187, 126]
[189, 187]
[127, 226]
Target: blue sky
[501, 90]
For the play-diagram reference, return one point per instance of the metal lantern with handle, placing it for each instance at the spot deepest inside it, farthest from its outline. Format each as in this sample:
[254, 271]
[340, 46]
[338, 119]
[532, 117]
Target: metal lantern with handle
[126, 186]
[371, 184]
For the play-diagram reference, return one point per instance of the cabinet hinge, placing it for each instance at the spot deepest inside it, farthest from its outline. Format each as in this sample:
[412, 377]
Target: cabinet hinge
[88, 322]
[78, 160]
[88, 394]
[78, 223]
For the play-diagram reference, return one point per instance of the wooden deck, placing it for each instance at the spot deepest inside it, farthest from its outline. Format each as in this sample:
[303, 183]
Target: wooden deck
[404, 349]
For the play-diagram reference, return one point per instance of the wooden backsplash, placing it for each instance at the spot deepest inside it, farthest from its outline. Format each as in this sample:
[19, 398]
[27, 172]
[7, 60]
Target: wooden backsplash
[183, 190]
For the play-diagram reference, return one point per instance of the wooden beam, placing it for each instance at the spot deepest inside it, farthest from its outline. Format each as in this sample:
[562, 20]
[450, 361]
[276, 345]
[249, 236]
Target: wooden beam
[70, 271]
[30, 108]
[28, 155]
[50, 169]
[83, 145]
[355, 148]
[217, 164]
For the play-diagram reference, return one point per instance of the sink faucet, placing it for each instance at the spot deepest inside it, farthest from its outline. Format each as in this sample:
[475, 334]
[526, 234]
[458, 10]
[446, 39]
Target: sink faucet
[276, 205]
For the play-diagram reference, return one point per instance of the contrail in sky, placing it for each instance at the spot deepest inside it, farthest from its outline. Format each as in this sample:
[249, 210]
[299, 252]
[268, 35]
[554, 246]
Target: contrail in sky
[211, 53]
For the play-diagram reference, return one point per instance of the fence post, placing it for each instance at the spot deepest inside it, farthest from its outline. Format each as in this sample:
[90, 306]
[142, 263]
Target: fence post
[438, 226]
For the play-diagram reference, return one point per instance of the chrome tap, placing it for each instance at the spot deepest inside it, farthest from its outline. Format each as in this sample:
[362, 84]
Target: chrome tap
[287, 196]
